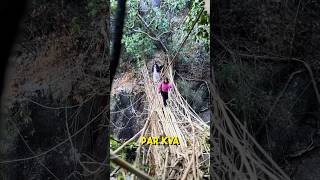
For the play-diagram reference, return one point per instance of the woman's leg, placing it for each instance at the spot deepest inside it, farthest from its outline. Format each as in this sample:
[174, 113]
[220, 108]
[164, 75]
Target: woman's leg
[165, 97]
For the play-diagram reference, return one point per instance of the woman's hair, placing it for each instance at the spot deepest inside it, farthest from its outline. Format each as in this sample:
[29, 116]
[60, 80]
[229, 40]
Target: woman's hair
[166, 80]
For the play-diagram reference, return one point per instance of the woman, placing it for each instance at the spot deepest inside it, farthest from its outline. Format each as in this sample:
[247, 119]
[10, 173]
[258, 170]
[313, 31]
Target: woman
[156, 72]
[164, 88]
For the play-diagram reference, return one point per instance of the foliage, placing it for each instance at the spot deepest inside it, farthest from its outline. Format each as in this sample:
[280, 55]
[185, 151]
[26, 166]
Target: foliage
[97, 7]
[75, 27]
[201, 31]
[136, 41]
[114, 144]
[175, 6]
[128, 152]
[98, 11]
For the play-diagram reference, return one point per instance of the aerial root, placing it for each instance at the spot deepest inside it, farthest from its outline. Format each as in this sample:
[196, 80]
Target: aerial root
[235, 153]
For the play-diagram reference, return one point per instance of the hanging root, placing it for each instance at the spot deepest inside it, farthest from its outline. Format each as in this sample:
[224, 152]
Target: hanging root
[180, 120]
[234, 152]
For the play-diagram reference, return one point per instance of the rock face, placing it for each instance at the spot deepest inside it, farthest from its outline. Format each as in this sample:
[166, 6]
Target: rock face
[155, 4]
[127, 105]
[126, 114]
[207, 6]
[145, 5]
[205, 116]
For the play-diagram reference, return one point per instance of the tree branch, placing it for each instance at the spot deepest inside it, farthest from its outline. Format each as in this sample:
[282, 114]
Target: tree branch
[152, 33]
[151, 37]
[183, 42]
[124, 164]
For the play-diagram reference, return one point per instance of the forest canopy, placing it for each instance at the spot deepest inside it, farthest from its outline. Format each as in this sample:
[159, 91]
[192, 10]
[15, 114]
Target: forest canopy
[161, 26]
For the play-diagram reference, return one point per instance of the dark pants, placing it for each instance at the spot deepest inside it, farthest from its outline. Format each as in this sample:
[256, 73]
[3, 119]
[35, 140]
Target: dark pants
[164, 97]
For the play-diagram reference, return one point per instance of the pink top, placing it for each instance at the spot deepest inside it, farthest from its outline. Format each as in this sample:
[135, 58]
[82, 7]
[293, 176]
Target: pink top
[164, 87]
